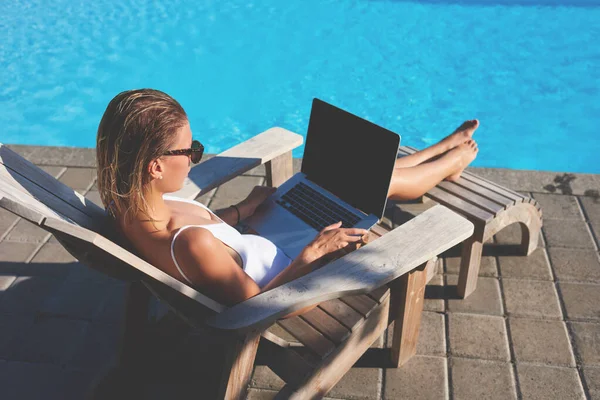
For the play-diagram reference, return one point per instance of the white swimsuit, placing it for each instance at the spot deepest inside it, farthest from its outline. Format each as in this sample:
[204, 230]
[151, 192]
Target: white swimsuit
[261, 259]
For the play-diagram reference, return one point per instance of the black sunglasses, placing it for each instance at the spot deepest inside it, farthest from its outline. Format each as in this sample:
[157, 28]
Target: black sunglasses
[195, 152]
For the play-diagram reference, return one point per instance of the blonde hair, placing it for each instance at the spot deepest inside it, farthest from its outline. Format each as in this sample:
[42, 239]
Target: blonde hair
[137, 127]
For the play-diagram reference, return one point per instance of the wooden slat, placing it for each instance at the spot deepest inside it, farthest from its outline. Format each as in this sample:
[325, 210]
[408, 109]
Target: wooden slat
[379, 294]
[28, 177]
[326, 325]
[308, 336]
[237, 160]
[473, 198]
[498, 189]
[361, 303]
[30, 195]
[485, 192]
[342, 312]
[330, 370]
[366, 269]
[460, 205]
[379, 230]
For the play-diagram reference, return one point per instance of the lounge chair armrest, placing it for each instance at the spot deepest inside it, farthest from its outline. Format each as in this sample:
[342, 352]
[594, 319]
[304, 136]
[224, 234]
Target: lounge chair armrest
[361, 271]
[258, 150]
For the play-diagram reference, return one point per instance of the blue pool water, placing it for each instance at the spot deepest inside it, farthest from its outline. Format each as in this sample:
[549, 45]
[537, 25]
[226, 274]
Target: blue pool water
[529, 70]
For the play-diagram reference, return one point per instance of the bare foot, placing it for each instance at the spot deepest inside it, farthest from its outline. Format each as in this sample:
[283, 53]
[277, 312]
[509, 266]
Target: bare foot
[465, 153]
[460, 134]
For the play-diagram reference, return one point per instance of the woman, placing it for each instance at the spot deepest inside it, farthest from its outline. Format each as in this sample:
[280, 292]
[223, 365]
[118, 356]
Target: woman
[144, 151]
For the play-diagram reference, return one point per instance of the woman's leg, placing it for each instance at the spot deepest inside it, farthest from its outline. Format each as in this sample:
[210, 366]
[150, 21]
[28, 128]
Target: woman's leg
[460, 135]
[412, 182]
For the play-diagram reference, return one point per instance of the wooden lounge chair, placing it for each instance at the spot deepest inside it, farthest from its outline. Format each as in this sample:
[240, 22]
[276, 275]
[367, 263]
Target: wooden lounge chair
[491, 208]
[360, 294]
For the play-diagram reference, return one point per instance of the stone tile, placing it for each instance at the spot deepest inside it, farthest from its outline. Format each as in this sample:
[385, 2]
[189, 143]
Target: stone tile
[541, 382]
[262, 394]
[83, 301]
[358, 383]
[540, 341]
[7, 220]
[16, 252]
[51, 260]
[534, 266]
[592, 379]
[482, 379]
[20, 380]
[511, 235]
[432, 335]
[264, 378]
[100, 347]
[486, 268]
[27, 294]
[234, 191]
[78, 178]
[586, 336]
[434, 295]
[531, 299]
[50, 340]
[478, 336]
[94, 197]
[27, 232]
[6, 281]
[568, 233]
[54, 171]
[205, 198]
[582, 301]
[541, 181]
[484, 300]
[591, 207]
[112, 310]
[557, 206]
[575, 264]
[13, 257]
[12, 328]
[421, 378]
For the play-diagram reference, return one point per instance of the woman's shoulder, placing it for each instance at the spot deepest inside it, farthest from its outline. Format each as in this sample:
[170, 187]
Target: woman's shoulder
[193, 240]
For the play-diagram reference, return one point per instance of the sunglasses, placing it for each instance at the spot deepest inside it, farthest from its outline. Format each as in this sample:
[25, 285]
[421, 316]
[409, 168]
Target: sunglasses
[194, 153]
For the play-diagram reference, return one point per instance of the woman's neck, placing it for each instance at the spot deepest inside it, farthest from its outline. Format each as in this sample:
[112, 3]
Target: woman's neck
[155, 219]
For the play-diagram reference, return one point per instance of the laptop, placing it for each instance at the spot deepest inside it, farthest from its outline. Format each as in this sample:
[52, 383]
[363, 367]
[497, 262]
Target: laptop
[345, 176]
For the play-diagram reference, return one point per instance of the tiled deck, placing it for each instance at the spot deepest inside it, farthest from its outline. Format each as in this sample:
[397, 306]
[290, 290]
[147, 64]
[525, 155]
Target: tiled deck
[531, 330]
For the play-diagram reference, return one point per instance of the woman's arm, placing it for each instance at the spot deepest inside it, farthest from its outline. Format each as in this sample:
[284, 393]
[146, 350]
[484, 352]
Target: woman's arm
[206, 262]
[247, 206]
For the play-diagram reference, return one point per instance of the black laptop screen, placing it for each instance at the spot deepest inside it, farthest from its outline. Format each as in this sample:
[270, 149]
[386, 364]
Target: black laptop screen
[350, 157]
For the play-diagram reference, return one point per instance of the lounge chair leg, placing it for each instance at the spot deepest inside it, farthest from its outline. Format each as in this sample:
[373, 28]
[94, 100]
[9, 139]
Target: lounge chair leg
[279, 169]
[469, 266]
[136, 318]
[529, 237]
[238, 366]
[408, 295]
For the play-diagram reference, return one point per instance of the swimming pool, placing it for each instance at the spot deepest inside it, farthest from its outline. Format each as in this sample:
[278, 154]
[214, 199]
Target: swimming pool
[529, 70]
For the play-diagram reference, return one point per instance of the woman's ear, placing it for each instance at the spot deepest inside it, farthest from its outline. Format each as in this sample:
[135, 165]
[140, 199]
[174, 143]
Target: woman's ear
[156, 169]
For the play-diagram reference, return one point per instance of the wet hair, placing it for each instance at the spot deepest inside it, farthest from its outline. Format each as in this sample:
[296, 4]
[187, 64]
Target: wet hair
[137, 127]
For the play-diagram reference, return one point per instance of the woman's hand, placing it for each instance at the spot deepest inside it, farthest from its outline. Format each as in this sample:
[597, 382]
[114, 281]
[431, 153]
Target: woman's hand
[332, 242]
[257, 196]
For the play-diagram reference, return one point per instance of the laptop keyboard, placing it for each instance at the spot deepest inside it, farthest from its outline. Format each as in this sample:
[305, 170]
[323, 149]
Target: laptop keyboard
[315, 209]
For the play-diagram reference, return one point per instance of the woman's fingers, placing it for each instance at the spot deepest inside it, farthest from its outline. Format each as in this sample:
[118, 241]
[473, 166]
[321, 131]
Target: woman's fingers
[356, 231]
[332, 226]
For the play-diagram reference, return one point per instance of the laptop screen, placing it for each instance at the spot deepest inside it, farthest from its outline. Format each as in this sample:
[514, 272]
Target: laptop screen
[350, 157]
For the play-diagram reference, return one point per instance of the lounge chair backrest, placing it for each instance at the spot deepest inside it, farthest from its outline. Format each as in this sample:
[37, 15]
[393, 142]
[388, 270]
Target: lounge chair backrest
[70, 219]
